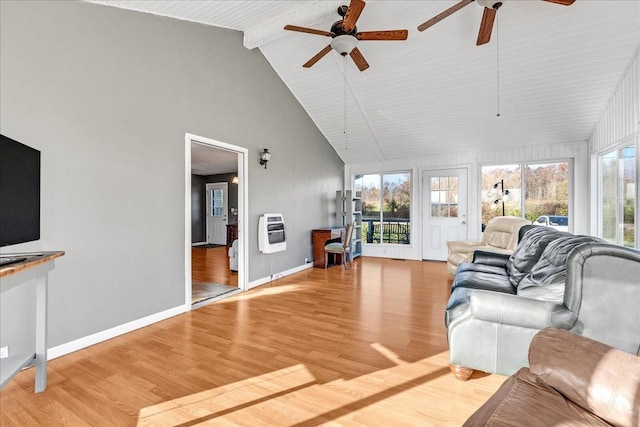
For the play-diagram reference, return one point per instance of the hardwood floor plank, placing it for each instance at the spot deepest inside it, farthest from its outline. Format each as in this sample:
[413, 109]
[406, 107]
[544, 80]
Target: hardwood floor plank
[366, 346]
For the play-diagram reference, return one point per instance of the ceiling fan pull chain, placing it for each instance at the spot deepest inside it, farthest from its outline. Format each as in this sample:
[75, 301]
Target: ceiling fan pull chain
[498, 66]
[346, 137]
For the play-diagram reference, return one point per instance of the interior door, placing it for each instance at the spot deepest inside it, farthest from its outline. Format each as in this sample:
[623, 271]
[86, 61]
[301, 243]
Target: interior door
[444, 211]
[217, 198]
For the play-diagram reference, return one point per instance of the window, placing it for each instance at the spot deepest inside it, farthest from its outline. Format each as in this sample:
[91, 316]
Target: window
[386, 207]
[444, 197]
[536, 191]
[618, 196]
[217, 203]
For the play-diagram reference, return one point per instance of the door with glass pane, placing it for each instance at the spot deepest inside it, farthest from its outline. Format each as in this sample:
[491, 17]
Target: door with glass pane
[444, 211]
[217, 213]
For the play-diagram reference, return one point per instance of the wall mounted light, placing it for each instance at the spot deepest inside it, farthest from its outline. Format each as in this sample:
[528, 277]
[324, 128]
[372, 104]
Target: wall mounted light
[500, 197]
[234, 180]
[265, 156]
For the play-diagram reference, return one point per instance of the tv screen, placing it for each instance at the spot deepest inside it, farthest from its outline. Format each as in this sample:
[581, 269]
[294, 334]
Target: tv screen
[19, 192]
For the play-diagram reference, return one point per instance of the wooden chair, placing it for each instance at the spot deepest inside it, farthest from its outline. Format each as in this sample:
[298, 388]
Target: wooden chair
[341, 248]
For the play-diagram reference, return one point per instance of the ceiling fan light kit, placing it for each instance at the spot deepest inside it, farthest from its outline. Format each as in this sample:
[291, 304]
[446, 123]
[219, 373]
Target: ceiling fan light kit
[345, 35]
[344, 44]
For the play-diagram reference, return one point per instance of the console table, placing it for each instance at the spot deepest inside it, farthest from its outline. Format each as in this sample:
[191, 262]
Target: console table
[319, 238]
[35, 266]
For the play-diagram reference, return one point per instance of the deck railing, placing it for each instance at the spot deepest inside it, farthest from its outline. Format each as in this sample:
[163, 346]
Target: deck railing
[394, 230]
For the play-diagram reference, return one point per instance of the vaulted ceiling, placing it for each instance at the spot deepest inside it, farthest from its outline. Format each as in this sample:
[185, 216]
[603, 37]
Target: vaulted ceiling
[549, 70]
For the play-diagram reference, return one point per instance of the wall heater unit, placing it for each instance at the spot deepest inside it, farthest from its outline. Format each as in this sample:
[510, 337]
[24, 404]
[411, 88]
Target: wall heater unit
[271, 236]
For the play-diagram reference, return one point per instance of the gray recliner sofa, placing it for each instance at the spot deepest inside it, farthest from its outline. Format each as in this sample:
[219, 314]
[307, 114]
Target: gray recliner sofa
[553, 279]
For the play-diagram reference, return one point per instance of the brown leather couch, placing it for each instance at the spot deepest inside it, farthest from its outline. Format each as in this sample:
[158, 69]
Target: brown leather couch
[571, 381]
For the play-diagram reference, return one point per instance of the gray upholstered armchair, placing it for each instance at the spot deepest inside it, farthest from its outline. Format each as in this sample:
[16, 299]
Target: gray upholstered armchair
[500, 236]
[491, 330]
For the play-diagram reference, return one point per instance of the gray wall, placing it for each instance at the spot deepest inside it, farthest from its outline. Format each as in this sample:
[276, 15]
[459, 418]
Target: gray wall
[107, 95]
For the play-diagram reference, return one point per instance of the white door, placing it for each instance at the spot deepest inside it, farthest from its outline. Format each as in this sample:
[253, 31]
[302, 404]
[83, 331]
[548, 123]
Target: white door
[444, 211]
[217, 213]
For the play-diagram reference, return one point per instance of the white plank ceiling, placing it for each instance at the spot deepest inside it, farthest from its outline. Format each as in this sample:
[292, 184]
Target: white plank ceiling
[557, 68]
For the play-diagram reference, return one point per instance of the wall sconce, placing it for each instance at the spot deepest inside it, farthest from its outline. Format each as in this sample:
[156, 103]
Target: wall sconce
[265, 156]
[234, 180]
[501, 197]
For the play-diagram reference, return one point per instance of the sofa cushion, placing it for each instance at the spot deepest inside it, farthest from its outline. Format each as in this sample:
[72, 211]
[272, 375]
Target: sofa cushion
[547, 277]
[483, 280]
[482, 268]
[529, 250]
[605, 381]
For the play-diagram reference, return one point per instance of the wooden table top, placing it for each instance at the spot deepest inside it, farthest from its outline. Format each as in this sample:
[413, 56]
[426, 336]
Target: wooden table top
[31, 261]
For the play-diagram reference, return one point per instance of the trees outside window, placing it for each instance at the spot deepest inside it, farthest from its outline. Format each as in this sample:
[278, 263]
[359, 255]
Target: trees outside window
[534, 190]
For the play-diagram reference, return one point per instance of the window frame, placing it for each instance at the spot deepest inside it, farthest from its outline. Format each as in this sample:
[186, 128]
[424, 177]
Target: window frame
[522, 165]
[619, 226]
[381, 201]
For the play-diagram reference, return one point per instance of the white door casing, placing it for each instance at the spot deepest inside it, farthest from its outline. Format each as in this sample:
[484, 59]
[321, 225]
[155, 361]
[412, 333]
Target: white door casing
[217, 199]
[444, 210]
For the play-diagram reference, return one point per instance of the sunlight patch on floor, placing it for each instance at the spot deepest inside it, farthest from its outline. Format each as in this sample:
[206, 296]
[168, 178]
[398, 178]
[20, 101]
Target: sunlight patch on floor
[361, 399]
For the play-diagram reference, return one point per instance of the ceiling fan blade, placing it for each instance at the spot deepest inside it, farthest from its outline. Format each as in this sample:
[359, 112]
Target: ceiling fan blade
[358, 59]
[562, 2]
[352, 15]
[439, 17]
[486, 26]
[318, 56]
[308, 30]
[383, 35]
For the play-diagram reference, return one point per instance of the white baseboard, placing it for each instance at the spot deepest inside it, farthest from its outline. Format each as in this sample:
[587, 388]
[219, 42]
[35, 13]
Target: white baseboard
[280, 275]
[84, 342]
[99, 337]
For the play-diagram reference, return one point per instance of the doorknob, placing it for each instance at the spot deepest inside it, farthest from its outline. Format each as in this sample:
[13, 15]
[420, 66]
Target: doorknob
[464, 222]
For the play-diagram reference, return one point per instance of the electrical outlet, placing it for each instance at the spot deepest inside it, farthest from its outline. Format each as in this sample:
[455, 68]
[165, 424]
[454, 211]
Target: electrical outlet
[4, 352]
[306, 260]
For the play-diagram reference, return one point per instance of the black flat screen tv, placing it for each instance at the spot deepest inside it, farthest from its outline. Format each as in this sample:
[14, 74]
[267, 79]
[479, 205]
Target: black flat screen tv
[19, 192]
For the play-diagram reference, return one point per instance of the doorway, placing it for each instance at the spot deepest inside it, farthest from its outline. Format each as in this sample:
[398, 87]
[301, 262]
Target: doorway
[444, 207]
[215, 204]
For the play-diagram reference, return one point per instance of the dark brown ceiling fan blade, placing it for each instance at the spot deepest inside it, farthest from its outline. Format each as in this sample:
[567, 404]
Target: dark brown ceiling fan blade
[308, 30]
[358, 59]
[486, 26]
[439, 17]
[318, 56]
[562, 2]
[383, 35]
[352, 15]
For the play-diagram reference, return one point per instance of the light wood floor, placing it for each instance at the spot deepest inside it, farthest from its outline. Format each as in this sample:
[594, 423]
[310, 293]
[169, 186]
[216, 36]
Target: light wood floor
[210, 266]
[332, 347]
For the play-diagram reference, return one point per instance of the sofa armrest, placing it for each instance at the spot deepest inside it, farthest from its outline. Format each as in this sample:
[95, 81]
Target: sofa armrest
[519, 311]
[593, 375]
[463, 246]
[490, 258]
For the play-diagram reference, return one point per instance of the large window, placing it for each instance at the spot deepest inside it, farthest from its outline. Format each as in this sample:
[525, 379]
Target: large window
[618, 196]
[386, 207]
[536, 191]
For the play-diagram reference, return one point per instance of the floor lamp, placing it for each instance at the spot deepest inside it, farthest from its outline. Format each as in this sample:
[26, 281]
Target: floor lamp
[500, 196]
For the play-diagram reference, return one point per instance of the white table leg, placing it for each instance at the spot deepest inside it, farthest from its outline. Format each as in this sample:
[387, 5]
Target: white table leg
[40, 361]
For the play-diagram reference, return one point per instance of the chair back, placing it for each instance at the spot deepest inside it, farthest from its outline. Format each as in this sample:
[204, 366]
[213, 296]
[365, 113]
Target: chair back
[502, 231]
[346, 238]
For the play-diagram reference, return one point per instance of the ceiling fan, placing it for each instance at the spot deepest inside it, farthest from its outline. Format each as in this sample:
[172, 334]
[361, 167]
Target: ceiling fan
[345, 35]
[489, 15]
